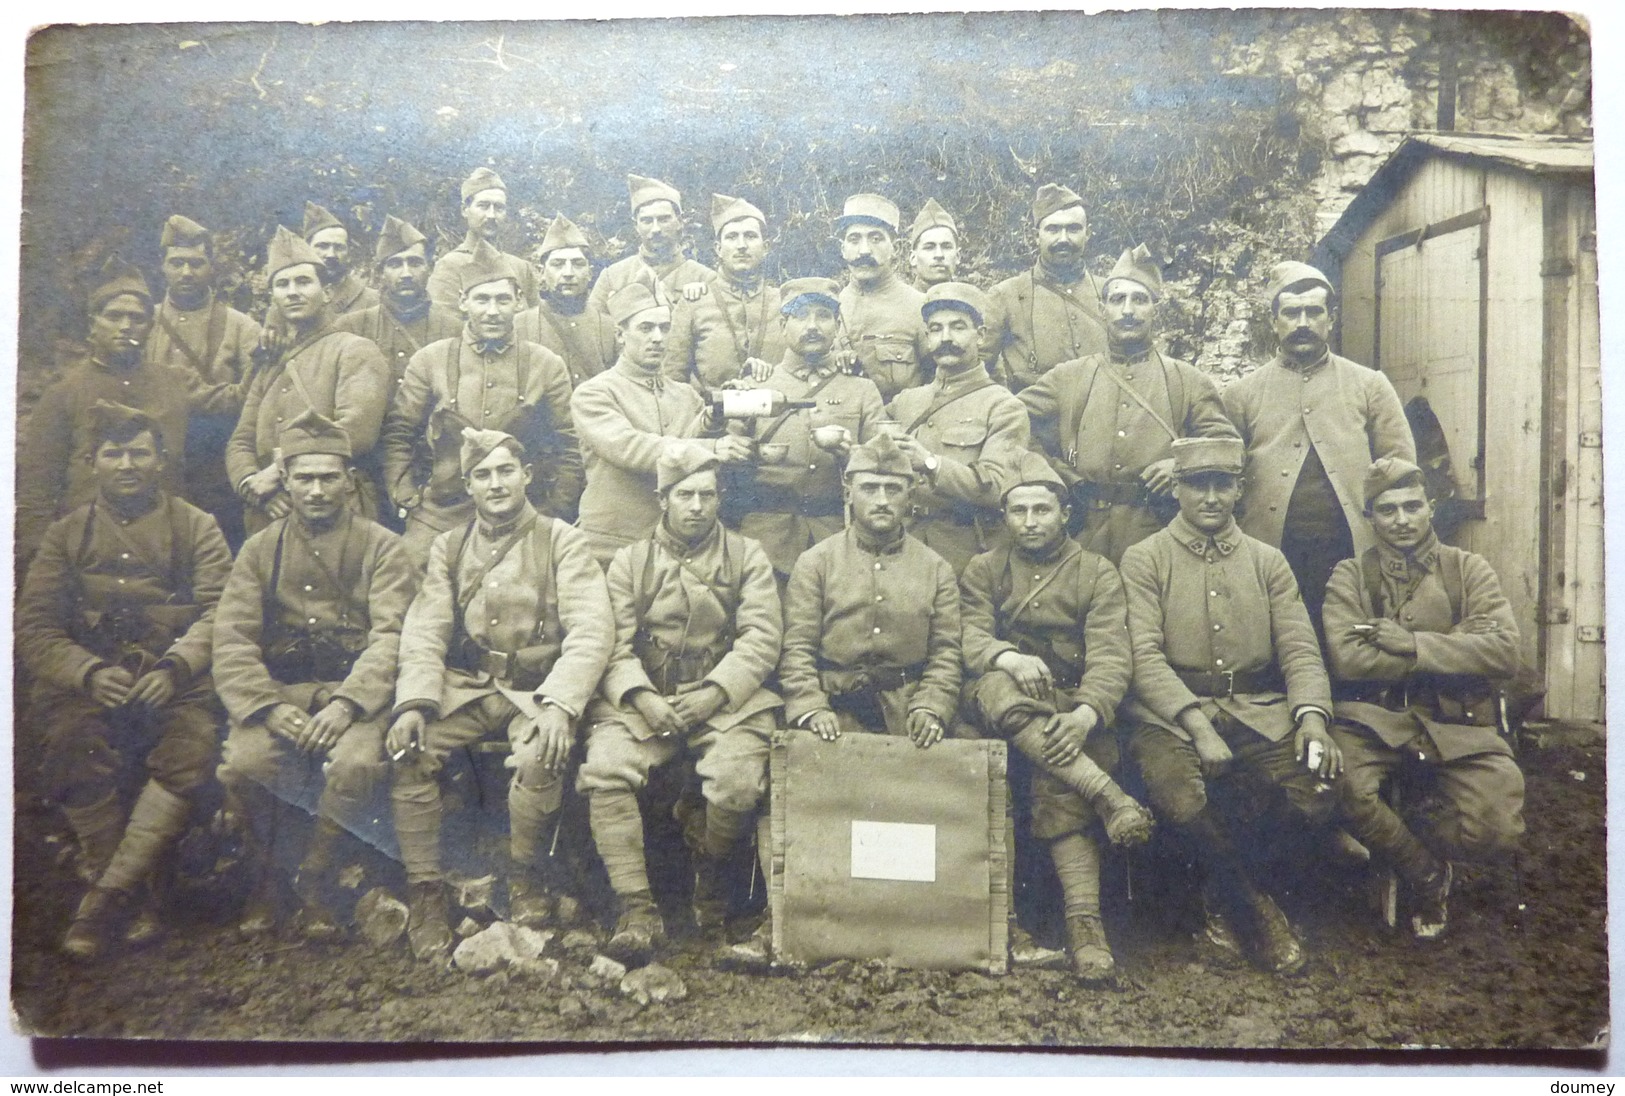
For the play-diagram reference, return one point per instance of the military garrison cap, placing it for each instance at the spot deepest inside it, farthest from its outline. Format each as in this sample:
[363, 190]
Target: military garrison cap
[482, 178]
[1193, 456]
[801, 292]
[631, 299]
[1051, 199]
[287, 250]
[183, 232]
[1137, 265]
[115, 422]
[1385, 474]
[868, 209]
[480, 444]
[957, 295]
[396, 237]
[880, 456]
[644, 190]
[931, 216]
[1023, 468]
[314, 433]
[680, 459]
[1288, 274]
[316, 219]
[562, 232]
[115, 279]
[485, 264]
[725, 211]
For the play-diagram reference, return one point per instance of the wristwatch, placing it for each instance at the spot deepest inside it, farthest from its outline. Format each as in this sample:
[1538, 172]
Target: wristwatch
[932, 463]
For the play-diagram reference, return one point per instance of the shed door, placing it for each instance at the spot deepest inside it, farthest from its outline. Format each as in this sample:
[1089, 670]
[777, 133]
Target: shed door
[1430, 320]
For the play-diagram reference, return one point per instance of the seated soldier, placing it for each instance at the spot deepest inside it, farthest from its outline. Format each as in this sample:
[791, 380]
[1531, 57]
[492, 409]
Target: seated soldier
[114, 624]
[698, 625]
[1418, 633]
[1227, 676]
[1045, 629]
[304, 652]
[509, 636]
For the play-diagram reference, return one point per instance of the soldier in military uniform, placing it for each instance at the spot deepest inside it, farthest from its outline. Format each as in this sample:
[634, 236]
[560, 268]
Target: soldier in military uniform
[698, 626]
[1227, 676]
[54, 474]
[1313, 423]
[659, 262]
[1107, 419]
[1419, 636]
[881, 311]
[405, 320]
[872, 635]
[735, 322]
[485, 378]
[485, 211]
[114, 624]
[956, 428]
[196, 331]
[1052, 312]
[346, 292]
[509, 636]
[584, 337]
[1047, 650]
[305, 643]
[333, 373]
[625, 416]
[790, 497]
[933, 247]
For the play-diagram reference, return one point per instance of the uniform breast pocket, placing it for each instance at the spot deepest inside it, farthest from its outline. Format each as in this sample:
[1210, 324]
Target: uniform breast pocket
[964, 437]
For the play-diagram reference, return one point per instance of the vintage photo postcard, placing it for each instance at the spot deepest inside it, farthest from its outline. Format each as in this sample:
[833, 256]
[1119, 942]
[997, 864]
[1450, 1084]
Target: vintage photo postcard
[1023, 529]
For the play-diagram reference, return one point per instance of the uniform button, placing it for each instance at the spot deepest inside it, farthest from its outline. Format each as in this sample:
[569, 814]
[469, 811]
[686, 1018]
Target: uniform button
[1117, 467]
[1218, 662]
[315, 551]
[121, 583]
[493, 620]
[880, 597]
[310, 620]
[1122, 433]
[1125, 405]
[1286, 472]
[1216, 627]
[1306, 410]
[279, 418]
[180, 319]
[309, 587]
[126, 555]
[812, 467]
[877, 566]
[490, 384]
[1213, 593]
[1297, 445]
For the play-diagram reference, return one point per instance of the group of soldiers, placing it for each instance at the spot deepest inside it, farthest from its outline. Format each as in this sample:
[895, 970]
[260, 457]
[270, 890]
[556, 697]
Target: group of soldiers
[677, 510]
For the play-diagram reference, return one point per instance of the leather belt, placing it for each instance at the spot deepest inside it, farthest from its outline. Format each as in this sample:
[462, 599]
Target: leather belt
[778, 501]
[1223, 683]
[1103, 496]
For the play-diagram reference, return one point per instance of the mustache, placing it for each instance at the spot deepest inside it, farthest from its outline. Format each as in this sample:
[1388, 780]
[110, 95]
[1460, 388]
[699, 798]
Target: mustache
[864, 260]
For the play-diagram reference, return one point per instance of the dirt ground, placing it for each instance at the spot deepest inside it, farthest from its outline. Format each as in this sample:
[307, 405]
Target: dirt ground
[1510, 975]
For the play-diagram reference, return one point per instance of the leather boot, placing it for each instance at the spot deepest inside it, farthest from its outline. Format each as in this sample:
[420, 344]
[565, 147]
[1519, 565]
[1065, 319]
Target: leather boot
[1274, 946]
[531, 902]
[1127, 822]
[710, 897]
[312, 881]
[1027, 954]
[753, 954]
[639, 931]
[428, 921]
[147, 926]
[1430, 916]
[1092, 959]
[93, 923]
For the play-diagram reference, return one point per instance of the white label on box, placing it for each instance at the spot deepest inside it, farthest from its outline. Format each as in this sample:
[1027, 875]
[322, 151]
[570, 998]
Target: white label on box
[894, 850]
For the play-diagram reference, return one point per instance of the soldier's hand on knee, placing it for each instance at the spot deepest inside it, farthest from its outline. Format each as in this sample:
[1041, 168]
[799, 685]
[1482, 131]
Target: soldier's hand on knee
[825, 725]
[1030, 673]
[1211, 751]
[110, 686]
[1316, 749]
[1066, 733]
[658, 713]
[696, 706]
[155, 689]
[554, 738]
[405, 734]
[924, 728]
[287, 721]
[329, 725]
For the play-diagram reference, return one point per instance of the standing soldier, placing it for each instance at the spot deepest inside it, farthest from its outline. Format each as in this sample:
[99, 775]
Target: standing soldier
[957, 428]
[659, 263]
[1420, 636]
[485, 211]
[483, 378]
[584, 337]
[114, 624]
[509, 636]
[346, 292]
[714, 336]
[697, 631]
[54, 472]
[1047, 638]
[1051, 313]
[305, 644]
[1107, 419]
[625, 417]
[333, 373]
[790, 497]
[405, 320]
[197, 332]
[933, 247]
[1227, 676]
[1313, 423]
[881, 311]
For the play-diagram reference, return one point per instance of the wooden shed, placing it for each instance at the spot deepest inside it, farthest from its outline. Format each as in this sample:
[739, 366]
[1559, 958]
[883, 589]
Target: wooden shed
[1467, 270]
